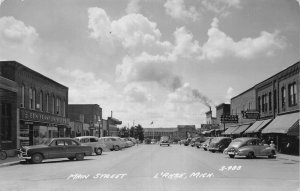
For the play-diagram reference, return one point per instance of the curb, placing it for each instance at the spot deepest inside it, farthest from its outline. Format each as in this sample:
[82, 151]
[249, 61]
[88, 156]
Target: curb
[9, 164]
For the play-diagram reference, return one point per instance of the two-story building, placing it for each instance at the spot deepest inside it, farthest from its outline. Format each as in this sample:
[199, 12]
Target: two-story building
[40, 107]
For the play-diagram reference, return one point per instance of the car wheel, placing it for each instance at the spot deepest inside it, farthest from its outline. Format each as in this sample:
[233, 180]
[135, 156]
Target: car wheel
[98, 151]
[116, 148]
[231, 156]
[272, 155]
[168, 145]
[250, 155]
[71, 158]
[36, 158]
[205, 149]
[79, 156]
[213, 151]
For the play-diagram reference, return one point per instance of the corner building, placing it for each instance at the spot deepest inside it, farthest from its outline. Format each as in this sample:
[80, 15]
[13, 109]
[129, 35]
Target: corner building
[41, 105]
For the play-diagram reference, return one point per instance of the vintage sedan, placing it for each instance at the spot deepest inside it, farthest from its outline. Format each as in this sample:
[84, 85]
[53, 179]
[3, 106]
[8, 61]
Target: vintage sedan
[112, 143]
[206, 143]
[249, 147]
[92, 141]
[219, 144]
[55, 148]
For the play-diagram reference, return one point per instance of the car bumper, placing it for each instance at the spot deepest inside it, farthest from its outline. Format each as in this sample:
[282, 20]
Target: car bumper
[23, 156]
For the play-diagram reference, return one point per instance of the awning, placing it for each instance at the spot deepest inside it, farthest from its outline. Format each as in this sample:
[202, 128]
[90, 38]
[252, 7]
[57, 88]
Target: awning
[230, 130]
[254, 126]
[257, 126]
[240, 129]
[294, 130]
[263, 125]
[282, 123]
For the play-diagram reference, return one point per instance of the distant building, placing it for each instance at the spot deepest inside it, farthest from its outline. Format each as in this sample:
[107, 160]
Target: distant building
[90, 115]
[156, 133]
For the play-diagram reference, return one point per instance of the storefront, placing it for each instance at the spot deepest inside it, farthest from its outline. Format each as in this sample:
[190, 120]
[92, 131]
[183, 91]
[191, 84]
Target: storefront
[283, 132]
[38, 127]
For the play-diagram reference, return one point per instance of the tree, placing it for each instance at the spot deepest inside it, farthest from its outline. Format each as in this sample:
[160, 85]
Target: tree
[137, 132]
[124, 132]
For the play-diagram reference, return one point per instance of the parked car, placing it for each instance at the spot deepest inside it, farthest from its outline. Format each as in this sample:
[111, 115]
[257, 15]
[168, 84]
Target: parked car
[249, 147]
[206, 143]
[55, 148]
[153, 141]
[164, 140]
[127, 142]
[199, 141]
[112, 143]
[219, 144]
[187, 141]
[93, 142]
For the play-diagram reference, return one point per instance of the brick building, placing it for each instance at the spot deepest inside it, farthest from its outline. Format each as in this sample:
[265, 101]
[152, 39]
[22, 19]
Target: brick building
[90, 115]
[41, 105]
[8, 113]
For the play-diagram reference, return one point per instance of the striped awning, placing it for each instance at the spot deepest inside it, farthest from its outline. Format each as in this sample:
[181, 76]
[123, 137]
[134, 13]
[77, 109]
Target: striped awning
[240, 129]
[282, 124]
[230, 130]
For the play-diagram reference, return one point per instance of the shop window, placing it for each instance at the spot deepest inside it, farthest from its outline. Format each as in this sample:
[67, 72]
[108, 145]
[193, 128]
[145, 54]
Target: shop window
[6, 121]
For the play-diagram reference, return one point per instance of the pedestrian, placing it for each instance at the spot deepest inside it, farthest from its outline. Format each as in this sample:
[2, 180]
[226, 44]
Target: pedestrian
[272, 145]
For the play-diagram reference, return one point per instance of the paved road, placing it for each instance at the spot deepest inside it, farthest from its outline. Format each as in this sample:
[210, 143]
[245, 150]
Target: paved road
[151, 167]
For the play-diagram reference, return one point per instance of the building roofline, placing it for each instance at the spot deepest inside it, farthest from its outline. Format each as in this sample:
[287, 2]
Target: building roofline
[298, 62]
[31, 70]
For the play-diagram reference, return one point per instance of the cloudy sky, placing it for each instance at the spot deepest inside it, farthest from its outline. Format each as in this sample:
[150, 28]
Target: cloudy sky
[164, 61]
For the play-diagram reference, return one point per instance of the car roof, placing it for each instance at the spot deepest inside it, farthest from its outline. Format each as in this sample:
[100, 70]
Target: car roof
[246, 138]
[82, 137]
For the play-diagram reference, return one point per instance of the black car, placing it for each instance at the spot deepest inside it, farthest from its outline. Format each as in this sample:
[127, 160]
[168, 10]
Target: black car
[219, 144]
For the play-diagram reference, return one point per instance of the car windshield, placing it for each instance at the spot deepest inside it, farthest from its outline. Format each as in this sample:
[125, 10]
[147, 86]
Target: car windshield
[164, 138]
[236, 142]
[47, 142]
[215, 140]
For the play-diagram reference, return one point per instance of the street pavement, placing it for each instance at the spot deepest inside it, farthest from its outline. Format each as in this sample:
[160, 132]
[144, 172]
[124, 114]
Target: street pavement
[151, 167]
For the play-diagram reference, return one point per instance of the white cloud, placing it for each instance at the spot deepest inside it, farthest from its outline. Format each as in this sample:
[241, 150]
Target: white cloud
[16, 39]
[1, 1]
[220, 44]
[185, 46]
[85, 87]
[148, 68]
[220, 7]
[177, 9]
[134, 32]
[133, 6]
[136, 92]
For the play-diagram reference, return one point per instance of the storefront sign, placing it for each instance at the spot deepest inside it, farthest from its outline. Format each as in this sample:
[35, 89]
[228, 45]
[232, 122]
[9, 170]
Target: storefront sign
[251, 115]
[29, 115]
[229, 118]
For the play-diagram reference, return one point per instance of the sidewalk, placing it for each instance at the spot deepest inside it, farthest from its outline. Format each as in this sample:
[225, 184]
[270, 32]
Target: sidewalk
[9, 161]
[288, 157]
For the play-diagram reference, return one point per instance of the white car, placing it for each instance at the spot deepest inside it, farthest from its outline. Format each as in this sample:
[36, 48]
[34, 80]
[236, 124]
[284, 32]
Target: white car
[93, 142]
[112, 143]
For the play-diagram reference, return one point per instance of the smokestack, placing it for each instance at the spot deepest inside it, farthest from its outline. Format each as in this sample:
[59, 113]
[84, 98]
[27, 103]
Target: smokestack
[209, 108]
[111, 114]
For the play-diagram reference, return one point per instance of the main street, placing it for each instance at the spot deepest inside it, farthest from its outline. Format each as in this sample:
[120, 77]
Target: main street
[151, 167]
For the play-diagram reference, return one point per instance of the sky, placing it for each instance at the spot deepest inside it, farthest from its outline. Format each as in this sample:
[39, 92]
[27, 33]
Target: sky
[160, 61]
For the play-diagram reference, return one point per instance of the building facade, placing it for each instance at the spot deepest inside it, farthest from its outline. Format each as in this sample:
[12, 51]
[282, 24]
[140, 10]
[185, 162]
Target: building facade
[156, 133]
[41, 105]
[90, 115]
